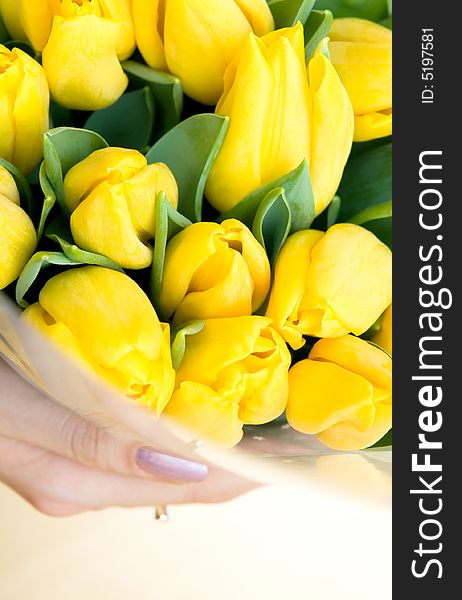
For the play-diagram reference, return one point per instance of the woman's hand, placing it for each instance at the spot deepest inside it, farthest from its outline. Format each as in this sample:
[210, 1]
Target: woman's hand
[64, 464]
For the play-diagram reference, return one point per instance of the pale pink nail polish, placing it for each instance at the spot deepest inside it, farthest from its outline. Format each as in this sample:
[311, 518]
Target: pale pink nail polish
[165, 465]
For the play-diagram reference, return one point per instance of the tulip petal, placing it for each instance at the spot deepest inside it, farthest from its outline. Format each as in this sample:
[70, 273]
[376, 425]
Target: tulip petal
[119, 163]
[349, 279]
[149, 32]
[81, 64]
[206, 413]
[201, 41]
[332, 132]
[289, 286]
[345, 436]
[17, 240]
[102, 224]
[373, 126]
[357, 356]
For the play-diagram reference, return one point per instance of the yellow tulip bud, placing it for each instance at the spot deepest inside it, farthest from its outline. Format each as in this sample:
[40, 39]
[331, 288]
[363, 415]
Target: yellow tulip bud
[9, 12]
[384, 337]
[278, 118]
[197, 39]
[104, 320]
[18, 239]
[342, 393]
[32, 21]
[80, 57]
[234, 372]
[24, 102]
[212, 271]
[327, 285]
[361, 52]
[112, 195]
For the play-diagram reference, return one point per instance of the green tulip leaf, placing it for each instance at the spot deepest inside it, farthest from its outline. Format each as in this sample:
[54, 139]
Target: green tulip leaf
[63, 148]
[168, 223]
[367, 180]
[385, 442]
[298, 194]
[287, 13]
[316, 29]
[383, 229]
[166, 90]
[189, 150]
[4, 35]
[25, 194]
[372, 213]
[128, 123]
[59, 232]
[49, 200]
[272, 223]
[378, 220]
[333, 211]
[374, 10]
[179, 340]
[39, 261]
[60, 116]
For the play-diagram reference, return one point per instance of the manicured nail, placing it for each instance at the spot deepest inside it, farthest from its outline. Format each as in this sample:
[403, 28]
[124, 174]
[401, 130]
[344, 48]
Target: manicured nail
[172, 467]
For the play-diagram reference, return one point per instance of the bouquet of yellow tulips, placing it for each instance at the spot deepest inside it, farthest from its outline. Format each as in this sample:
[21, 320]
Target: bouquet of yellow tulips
[195, 204]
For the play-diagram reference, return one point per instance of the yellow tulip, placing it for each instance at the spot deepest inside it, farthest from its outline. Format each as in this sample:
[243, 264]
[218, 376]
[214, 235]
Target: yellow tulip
[18, 239]
[234, 372]
[112, 196]
[24, 102]
[10, 15]
[330, 284]
[278, 118]
[361, 52]
[80, 58]
[32, 21]
[106, 322]
[197, 39]
[384, 336]
[212, 271]
[342, 393]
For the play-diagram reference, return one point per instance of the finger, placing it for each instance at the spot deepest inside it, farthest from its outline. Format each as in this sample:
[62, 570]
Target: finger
[31, 417]
[59, 486]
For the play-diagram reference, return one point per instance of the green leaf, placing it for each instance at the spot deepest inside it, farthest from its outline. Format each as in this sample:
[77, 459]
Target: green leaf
[179, 340]
[371, 213]
[333, 211]
[60, 116]
[367, 181]
[374, 10]
[317, 28]
[59, 232]
[286, 13]
[298, 194]
[63, 148]
[386, 441]
[168, 223]
[48, 202]
[39, 261]
[4, 35]
[383, 229]
[189, 150]
[166, 90]
[25, 194]
[378, 220]
[272, 223]
[128, 123]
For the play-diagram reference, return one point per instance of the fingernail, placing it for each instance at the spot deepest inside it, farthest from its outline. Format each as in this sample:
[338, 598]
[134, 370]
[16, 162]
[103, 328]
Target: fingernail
[155, 463]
